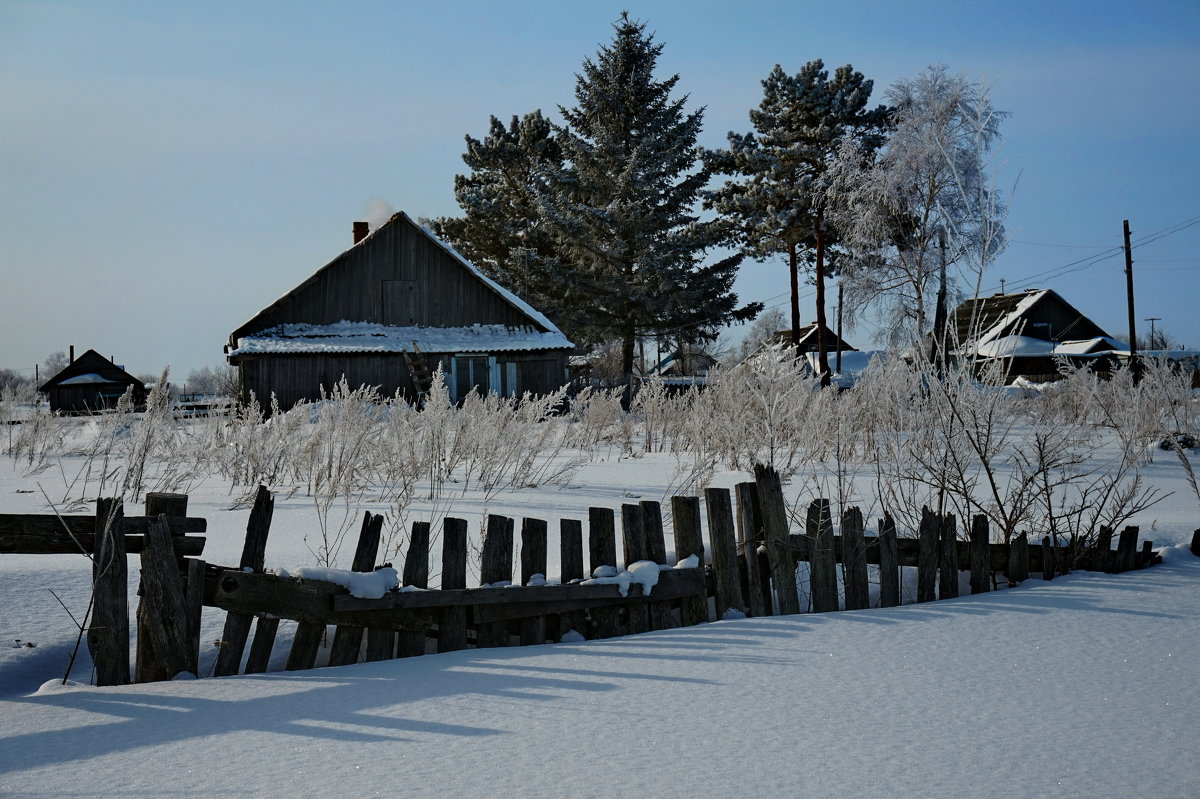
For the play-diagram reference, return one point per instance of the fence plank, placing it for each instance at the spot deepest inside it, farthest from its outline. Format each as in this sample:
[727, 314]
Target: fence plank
[1102, 556]
[854, 560]
[721, 537]
[778, 539]
[147, 667]
[533, 561]
[749, 527]
[633, 534]
[259, 659]
[496, 567]
[49, 534]
[1195, 545]
[661, 615]
[927, 564]
[411, 643]
[166, 617]
[602, 551]
[347, 640]
[1126, 546]
[685, 521]
[570, 555]
[305, 646]
[452, 621]
[108, 633]
[948, 562]
[981, 578]
[1018, 559]
[254, 548]
[823, 573]
[889, 565]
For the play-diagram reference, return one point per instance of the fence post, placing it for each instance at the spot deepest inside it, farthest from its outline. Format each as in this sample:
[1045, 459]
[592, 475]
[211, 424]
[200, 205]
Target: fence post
[166, 618]
[980, 555]
[778, 540]
[685, 515]
[533, 561]
[823, 579]
[948, 577]
[411, 643]
[854, 560]
[146, 664]
[633, 535]
[1102, 556]
[452, 624]
[927, 556]
[889, 563]
[1018, 559]
[724, 551]
[749, 527]
[661, 617]
[237, 625]
[1126, 547]
[108, 633]
[496, 567]
[1047, 559]
[347, 640]
[602, 550]
[570, 549]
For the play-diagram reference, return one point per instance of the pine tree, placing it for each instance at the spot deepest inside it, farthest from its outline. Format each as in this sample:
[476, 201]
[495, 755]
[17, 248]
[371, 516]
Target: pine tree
[777, 199]
[608, 208]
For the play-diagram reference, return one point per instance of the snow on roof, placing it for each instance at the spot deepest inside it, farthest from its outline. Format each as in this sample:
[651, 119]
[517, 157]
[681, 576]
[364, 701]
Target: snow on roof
[87, 379]
[1024, 305]
[1009, 346]
[371, 337]
[1086, 346]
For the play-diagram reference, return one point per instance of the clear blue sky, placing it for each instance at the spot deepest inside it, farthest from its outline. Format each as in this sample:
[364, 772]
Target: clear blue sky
[168, 169]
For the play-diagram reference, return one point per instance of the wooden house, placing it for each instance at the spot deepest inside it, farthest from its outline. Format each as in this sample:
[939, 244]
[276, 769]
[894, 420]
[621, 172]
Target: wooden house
[1030, 334]
[386, 313]
[91, 383]
[808, 340]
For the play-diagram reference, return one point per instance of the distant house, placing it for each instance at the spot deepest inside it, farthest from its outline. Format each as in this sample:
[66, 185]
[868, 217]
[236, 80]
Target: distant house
[808, 340]
[386, 313]
[1030, 334]
[91, 383]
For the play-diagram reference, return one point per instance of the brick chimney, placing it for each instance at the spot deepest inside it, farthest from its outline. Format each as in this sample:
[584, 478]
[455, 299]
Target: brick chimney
[361, 229]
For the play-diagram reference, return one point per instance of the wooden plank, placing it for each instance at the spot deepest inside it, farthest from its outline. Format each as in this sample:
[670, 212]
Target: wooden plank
[661, 615]
[1194, 547]
[854, 559]
[194, 601]
[1102, 556]
[147, 666]
[570, 555]
[533, 561]
[496, 568]
[254, 548]
[452, 621]
[889, 564]
[259, 659]
[18, 542]
[981, 572]
[411, 643]
[347, 640]
[305, 646]
[166, 617]
[602, 551]
[163, 503]
[1145, 556]
[108, 633]
[312, 601]
[777, 539]
[1047, 562]
[749, 527]
[927, 565]
[633, 534]
[685, 513]
[673, 585]
[819, 527]
[1017, 569]
[1126, 546]
[948, 557]
[721, 537]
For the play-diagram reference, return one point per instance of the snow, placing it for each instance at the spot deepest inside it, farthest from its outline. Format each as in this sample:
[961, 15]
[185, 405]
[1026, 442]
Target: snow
[1009, 346]
[347, 336]
[366, 585]
[83, 380]
[1088, 685]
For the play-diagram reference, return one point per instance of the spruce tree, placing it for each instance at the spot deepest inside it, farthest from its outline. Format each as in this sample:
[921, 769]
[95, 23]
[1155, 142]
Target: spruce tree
[777, 197]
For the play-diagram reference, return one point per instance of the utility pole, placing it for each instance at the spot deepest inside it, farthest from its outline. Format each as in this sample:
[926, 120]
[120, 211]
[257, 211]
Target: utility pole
[1129, 296]
[1152, 344]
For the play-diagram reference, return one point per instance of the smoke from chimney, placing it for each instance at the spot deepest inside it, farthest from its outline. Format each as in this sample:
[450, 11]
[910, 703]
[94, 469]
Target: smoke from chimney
[361, 229]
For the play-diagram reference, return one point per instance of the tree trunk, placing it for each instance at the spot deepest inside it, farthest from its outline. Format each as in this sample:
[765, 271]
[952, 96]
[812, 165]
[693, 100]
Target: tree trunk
[819, 279]
[794, 273]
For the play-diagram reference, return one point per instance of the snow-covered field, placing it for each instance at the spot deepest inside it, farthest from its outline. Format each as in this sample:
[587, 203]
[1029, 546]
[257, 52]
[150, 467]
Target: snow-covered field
[1085, 686]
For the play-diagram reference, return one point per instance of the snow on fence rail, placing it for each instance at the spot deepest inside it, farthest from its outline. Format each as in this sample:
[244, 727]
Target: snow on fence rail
[753, 556]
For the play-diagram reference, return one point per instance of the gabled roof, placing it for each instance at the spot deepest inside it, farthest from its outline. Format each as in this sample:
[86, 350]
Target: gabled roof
[983, 321]
[257, 324]
[91, 368]
[808, 339]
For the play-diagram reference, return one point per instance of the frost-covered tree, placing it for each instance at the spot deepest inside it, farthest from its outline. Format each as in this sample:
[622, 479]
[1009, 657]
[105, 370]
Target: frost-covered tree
[614, 247]
[777, 197]
[927, 204]
[500, 231]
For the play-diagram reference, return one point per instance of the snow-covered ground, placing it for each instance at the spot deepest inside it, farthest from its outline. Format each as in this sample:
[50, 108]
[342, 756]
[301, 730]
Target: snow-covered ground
[1085, 686]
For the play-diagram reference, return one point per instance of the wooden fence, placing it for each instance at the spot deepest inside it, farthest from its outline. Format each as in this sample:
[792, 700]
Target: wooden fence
[753, 555]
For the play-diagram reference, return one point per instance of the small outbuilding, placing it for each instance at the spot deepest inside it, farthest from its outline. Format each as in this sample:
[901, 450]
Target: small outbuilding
[386, 313]
[91, 383]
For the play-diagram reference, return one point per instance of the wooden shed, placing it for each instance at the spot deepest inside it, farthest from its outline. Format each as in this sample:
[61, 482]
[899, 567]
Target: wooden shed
[385, 313]
[91, 383]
